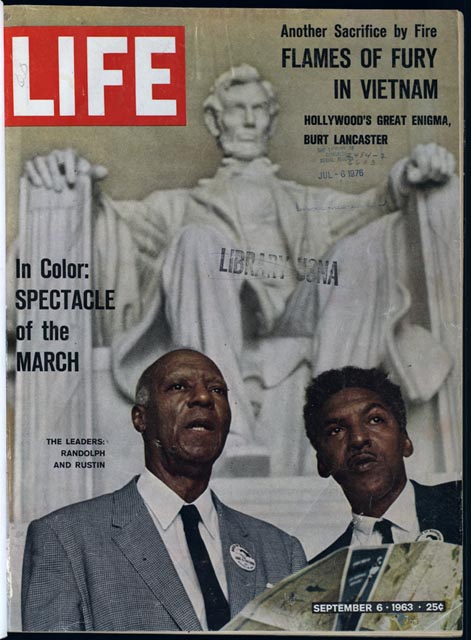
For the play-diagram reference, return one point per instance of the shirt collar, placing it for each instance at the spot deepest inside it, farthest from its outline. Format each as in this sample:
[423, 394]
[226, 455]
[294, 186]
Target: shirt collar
[165, 504]
[402, 513]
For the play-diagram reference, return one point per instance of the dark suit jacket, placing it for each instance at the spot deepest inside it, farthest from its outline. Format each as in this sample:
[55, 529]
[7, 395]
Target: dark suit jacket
[100, 565]
[438, 507]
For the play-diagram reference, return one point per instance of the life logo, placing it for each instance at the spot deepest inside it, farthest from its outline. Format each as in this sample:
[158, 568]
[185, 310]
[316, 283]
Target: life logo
[95, 76]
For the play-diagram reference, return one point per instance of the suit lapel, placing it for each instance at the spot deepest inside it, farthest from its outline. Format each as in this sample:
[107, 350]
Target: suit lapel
[137, 537]
[345, 539]
[342, 541]
[429, 513]
[241, 584]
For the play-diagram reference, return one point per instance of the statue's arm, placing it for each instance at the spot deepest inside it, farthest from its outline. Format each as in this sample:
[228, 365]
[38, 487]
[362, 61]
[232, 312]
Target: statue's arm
[150, 221]
[128, 237]
[59, 169]
[428, 165]
[341, 214]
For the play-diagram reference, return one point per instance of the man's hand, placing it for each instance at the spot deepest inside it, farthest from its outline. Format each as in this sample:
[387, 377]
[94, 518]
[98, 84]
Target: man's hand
[429, 163]
[60, 169]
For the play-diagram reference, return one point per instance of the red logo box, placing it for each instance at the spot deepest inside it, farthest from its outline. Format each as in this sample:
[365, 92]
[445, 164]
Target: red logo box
[83, 76]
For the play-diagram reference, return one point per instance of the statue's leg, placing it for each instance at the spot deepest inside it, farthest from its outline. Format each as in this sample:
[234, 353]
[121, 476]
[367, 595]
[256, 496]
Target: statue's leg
[203, 309]
[300, 316]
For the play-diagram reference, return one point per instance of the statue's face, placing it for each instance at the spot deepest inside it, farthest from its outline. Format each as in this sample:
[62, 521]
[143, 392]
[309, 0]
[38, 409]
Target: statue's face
[244, 122]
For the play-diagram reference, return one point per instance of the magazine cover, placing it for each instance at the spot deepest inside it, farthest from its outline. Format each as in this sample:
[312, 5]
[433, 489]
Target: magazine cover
[234, 265]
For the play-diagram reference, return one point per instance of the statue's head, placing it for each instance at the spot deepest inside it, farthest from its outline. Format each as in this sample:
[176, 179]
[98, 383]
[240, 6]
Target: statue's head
[241, 112]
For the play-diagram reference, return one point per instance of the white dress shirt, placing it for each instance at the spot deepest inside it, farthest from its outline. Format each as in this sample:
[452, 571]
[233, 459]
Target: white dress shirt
[164, 507]
[402, 514]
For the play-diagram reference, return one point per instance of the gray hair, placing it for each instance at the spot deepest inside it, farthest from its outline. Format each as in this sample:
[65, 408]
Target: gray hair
[242, 74]
[142, 393]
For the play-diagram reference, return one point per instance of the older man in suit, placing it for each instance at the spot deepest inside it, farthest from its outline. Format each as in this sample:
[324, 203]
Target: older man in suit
[356, 421]
[162, 553]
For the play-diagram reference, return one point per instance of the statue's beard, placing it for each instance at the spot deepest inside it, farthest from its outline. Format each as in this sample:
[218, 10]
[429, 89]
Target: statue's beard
[243, 149]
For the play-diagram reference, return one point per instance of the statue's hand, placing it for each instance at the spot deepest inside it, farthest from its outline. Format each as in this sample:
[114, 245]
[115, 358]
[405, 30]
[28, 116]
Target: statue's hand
[60, 168]
[429, 163]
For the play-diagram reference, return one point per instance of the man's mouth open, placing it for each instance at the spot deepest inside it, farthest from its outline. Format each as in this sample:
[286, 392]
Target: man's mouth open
[200, 425]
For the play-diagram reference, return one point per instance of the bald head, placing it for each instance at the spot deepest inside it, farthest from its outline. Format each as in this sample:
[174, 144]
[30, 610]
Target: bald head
[168, 361]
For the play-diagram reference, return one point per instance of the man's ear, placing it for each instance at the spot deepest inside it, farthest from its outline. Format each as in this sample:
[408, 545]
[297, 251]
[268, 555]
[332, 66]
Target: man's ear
[407, 447]
[138, 415]
[211, 121]
[324, 472]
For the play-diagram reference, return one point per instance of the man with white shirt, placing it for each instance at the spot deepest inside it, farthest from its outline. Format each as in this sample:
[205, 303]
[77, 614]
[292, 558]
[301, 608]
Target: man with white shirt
[356, 421]
[163, 553]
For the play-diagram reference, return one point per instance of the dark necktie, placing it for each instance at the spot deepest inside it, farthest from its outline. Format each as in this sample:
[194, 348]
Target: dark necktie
[384, 528]
[215, 603]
